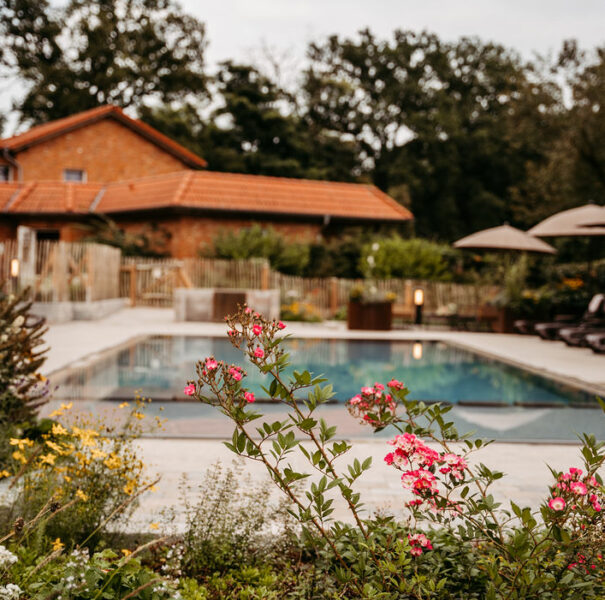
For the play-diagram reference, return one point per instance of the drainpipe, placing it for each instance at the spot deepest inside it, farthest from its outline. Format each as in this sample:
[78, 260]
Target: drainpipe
[14, 163]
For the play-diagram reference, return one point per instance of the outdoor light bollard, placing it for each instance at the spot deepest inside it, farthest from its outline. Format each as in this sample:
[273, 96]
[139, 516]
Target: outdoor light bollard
[418, 302]
[14, 275]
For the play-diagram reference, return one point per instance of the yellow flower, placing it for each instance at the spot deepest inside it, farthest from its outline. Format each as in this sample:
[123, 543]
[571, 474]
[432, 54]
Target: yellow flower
[154, 526]
[22, 443]
[131, 486]
[48, 459]
[58, 429]
[126, 552]
[97, 453]
[138, 415]
[80, 494]
[113, 462]
[4, 473]
[58, 449]
[123, 405]
[18, 455]
[66, 406]
[58, 545]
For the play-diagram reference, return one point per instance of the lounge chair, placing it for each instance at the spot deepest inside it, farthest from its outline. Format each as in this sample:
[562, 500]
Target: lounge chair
[596, 341]
[593, 317]
[576, 336]
[528, 326]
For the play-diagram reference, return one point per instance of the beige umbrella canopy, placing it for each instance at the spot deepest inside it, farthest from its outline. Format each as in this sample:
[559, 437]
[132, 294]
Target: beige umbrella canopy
[504, 237]
[599, 221]
[573, 222]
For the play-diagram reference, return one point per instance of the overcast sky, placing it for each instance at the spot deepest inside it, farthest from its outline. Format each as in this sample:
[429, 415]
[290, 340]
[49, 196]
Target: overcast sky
[236, 26]
[238, 29]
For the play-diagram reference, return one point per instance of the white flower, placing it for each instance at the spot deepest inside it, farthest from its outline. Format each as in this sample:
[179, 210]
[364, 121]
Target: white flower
[19, 321]
[7, 558]
[10, 591]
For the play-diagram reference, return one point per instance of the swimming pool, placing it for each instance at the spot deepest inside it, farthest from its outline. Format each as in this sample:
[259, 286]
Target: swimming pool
[493, 398]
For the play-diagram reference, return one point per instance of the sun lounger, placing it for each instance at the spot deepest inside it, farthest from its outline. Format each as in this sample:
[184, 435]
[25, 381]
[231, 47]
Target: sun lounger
[596, 341]
[594, 316]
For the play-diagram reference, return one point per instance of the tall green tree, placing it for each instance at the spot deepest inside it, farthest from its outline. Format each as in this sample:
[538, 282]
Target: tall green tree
[433, 119]
[123, 52]
[256, 128]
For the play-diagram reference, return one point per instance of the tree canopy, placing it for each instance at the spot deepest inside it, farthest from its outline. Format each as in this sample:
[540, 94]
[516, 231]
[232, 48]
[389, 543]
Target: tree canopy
[465, 133]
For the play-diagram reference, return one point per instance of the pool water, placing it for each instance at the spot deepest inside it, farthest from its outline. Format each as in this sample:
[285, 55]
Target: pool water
[433, 371]
[491, 398]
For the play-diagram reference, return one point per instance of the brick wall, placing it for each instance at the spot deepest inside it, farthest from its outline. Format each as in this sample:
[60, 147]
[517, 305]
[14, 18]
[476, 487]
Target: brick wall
[188, 234]
[106, 150]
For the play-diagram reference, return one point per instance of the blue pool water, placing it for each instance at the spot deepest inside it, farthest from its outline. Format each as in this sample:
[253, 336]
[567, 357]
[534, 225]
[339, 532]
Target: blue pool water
[491, 398]
[433, 371]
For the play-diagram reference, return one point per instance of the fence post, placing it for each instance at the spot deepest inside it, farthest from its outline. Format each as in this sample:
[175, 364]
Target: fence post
[264, 276]
[133, 284]
[333, 296]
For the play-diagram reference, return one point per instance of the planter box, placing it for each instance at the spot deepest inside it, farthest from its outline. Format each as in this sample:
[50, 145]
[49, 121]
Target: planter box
[500, 319]
[374, 316]
[212, 304]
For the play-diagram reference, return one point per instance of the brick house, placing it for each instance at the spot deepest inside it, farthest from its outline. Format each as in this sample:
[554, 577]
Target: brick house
[55, 176]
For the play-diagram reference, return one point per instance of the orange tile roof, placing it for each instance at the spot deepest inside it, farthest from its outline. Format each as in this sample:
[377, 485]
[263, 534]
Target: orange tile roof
[213, 192]
[39, 133]
[49, 197]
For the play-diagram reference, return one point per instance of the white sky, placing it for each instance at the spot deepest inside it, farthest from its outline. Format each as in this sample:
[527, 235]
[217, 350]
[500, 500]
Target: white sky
[235, 26]
[237, 29]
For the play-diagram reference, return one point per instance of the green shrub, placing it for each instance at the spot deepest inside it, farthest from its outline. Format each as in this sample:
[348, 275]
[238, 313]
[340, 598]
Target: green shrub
[233, 523]
[417, 258]
[88, 467]
[262, 242]
[22, 387]
[458, 541]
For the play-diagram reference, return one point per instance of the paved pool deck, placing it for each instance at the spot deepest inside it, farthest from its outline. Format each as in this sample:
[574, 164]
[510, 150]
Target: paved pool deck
[525, 464]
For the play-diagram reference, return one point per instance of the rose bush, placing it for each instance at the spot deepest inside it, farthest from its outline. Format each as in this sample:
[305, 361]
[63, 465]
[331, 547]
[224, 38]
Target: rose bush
[459, 541]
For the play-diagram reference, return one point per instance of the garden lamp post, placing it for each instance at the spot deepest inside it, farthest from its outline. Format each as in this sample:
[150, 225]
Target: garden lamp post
[14, 274]
[418, 302]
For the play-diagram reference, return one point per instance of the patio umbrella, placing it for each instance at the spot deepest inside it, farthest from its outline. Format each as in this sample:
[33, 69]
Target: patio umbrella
[599, 221]
[504, 237]
[575, 222]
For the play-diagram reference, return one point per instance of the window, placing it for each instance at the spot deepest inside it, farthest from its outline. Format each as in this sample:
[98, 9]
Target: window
[47, 234]
[74, 175]
[5, 173]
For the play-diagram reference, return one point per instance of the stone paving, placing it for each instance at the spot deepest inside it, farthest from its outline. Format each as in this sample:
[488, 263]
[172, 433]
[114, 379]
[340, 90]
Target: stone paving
[525, 464]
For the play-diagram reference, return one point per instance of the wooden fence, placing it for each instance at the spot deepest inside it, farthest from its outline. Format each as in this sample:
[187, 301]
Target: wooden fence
[61, 271]
[151, 282]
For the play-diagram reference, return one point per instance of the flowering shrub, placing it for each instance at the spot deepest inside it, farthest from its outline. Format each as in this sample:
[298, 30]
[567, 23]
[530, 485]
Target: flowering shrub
[22, 388]
[458, 542]
[83, 459]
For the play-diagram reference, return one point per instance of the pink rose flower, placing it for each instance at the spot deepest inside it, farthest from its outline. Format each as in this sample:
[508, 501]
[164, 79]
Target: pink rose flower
[389, 458]
[235, 373]
[211, 364]
[396, 385]
[281, 325]
[257, 329]
[367, 391]
[249, 396]
[578, 488]
[378, 386]
[259, 352]
[415, 550]
[189, 390]
[556, 503]
[248, 310]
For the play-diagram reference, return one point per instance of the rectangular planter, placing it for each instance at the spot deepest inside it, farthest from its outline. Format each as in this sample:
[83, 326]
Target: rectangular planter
[370, 316]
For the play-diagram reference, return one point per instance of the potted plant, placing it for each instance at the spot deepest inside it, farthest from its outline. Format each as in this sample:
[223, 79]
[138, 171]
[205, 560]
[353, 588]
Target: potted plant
[370, 309]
